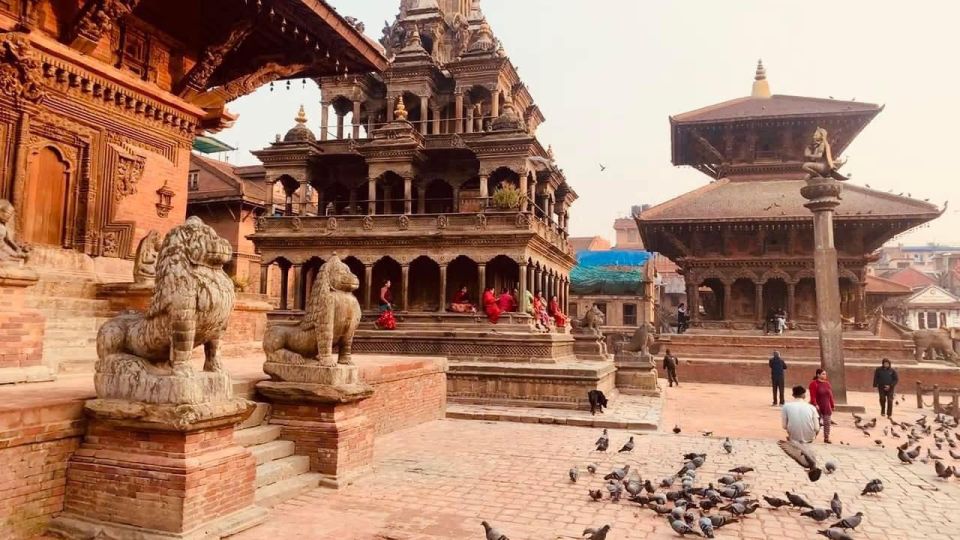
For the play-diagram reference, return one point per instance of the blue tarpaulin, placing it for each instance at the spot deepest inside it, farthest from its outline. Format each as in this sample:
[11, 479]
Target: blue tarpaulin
[613, 271]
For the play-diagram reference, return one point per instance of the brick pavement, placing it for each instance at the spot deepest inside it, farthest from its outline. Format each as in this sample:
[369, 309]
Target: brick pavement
[438, 480]
[625, 412]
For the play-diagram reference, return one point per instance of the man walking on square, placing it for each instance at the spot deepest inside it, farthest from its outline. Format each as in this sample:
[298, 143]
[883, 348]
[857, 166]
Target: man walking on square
[777, 369]
[670, 366]
[885, 380]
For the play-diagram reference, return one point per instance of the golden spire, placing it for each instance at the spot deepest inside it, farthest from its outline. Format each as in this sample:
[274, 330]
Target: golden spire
[301, 116]
[761, 88]
[400, 113]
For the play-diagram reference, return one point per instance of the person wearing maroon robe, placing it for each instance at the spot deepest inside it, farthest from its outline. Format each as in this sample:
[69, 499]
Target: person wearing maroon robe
[490, 305]
[506, 302]
[558, 317]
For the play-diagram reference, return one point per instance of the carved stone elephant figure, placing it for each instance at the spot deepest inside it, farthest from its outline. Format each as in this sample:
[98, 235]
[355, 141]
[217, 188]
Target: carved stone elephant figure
[936, 341]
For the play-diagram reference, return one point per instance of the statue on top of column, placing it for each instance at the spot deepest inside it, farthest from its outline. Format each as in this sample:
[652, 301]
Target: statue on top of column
[11, 251]
[820, 162]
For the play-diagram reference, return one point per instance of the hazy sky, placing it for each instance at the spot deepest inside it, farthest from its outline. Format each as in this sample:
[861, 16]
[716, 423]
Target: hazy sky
[607, 74]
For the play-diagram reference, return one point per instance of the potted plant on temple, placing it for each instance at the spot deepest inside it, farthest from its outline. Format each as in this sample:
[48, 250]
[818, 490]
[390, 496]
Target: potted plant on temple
[506, 197]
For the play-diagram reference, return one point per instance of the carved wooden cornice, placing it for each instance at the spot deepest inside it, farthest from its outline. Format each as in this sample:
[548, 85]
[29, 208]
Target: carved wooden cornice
[96, 18]
[196, 80]
[20, 69]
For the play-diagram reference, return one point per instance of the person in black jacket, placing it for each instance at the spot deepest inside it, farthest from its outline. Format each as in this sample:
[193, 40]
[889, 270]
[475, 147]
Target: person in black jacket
[885, 380]
[777, 369]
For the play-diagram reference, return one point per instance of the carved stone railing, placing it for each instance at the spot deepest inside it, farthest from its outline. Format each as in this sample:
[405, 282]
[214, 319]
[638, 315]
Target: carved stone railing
[415, 223]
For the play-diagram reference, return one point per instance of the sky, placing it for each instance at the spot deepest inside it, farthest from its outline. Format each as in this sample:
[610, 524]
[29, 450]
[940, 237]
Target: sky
[608, 74]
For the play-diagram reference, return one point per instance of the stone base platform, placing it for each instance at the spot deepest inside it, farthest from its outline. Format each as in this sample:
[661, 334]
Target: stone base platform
[640, 413]
[562, 385]
[792, 346]
[486, 343]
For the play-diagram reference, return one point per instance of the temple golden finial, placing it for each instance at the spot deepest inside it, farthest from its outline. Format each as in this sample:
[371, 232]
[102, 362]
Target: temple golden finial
[301, 116]
[400, 113]
[761, 87]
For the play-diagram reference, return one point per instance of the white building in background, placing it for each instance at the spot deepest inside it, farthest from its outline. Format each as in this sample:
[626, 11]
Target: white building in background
[932, 307]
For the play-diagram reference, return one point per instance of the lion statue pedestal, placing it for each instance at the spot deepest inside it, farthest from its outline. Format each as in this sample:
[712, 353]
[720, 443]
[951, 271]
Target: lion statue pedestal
[636, 368]
[148, 391]
[315, 395]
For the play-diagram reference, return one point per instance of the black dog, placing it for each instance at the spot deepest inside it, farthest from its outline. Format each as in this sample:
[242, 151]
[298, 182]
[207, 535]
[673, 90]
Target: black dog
[597, 401]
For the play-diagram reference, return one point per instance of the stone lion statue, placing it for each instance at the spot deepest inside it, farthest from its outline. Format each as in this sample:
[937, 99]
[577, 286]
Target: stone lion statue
[592, 320]
[332, 317]
[644, 341]
[935, 341]
[190, 306]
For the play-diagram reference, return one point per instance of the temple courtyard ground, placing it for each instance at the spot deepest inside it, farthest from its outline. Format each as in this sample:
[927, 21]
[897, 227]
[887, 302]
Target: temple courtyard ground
[440, 479]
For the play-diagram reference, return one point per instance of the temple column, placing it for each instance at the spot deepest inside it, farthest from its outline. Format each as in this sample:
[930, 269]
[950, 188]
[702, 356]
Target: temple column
[356, 119]
[264, 277]
[436, 120]
[536, 281]
[339, 125]
[368, 281]
[791, 300]
[422, 198]
[482, 278]
[424, 114]
[484, 187]
[297, 286]
[324, 120]
[405, 284]
[495, 104]
[391, 105]
[370, 126]
[458, 111]
[861, 293]
[758, 293]
[566, 296]
[533, 195]
[693, 302]
[407, 197]
[521, 288]
[270, 202]
[470, 120]
[727, 301]
[352, 201]
[443, 287]
[387, 200]
[523, 190]
[456, 199]
[284, 278]
[372, 196]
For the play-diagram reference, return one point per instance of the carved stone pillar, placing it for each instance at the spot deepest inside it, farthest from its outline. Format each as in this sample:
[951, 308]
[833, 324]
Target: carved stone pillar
[861, 294]
[535, 287]
[791, 300]
[443, 287]
[693, 302]
[372, 196]
[484, 187]
[297, 286]
[436, 120]
[368, 283]
[424, 114]
[264, 277]
[521, 288]
[391, 105]
[422, 198]
[456, 199]
[352, 200]
[758, 293]
[356, 119]
[324, 120]
[339, 125]
[727, 301]
[405, 285]
[458, 111]
[284, 279]
[407, 197]
[495, 104]
[470, 120]
[482, 275]
[523, 191]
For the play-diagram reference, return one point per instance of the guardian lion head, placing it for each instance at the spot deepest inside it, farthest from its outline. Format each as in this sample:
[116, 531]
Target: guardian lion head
[193, 244]
[337, 276]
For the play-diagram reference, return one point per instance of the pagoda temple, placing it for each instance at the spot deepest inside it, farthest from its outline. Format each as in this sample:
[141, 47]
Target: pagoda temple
[744, 241]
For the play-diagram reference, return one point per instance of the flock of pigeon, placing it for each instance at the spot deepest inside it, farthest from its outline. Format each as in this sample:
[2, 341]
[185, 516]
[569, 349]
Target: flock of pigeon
[916, 433]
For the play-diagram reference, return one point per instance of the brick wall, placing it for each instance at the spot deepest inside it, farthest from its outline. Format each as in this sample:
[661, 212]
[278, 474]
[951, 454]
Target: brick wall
[21, 330]
[406, 393]
[35, 445]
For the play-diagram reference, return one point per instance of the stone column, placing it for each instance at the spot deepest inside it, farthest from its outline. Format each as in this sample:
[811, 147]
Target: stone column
[297, 286]
[436, 120]
[391, 105]
[405, 284]
[861, 293]
[535, 286]
[824, 197]
[324, 120]
[521, 288]
[458, 111]
[443, 287]
[484, 187]
[422, 198]
[524, 203]
[758, 294]
[482, 275]
[356, 119]
[566, 296]
[339, 125]
[470, 120]
[407, 196]
[264, 277]
[424, 114]
[352, 200]
[791, 300]
[372, 196]
[495, 104]
[693, 302]
[456, 199]
[284, 278]
[727, 301]
[368, 281]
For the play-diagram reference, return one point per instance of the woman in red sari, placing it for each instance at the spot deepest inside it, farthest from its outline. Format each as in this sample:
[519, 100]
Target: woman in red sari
[490, 305]
[540, 310]
[558, 317]
[461, 302]
[386, 321]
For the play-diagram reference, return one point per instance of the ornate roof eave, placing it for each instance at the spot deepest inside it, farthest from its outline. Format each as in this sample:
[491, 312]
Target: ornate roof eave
[807, 220]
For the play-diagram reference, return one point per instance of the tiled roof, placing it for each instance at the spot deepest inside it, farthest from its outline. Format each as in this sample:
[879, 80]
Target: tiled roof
[589, 243]
[911, 277]
[773, 106]
[219, 179]
[774, 200]
[879, 285]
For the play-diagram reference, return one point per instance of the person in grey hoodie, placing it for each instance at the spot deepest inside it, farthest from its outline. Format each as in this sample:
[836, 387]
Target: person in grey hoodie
[777, 369]
[885, 380]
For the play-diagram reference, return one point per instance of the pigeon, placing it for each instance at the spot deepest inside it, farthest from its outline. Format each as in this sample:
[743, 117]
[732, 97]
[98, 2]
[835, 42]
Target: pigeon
[830, 467]
[676, 513]
[726, 479]
[903, 456]
[720, 520]
[933, 456]
[954, 455]
[706, 433]
[680, 527]
[595, 494]
[835, 534]
[914, 454]
[818, 514]
[676, 429]
[942, 470]
[634, 487]
[737, 509]
[776, 502]
[874, 487]
[603, 437]
[836, 506]
[592, 468]
[618, 474]
[648, 486]
[492, 532]
[596, 534]
[574, 474]
[603, 444]
[659, 508]
[706, 527]
[615, 491]
[603, 167]
[667, 481]
[727, 445]
[849, 522]
[741, 470]
[798, 501]
[628, 447]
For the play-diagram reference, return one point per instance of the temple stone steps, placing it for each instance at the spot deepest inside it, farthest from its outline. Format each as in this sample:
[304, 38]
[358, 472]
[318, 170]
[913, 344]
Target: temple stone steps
[800, 348]
[281, 474]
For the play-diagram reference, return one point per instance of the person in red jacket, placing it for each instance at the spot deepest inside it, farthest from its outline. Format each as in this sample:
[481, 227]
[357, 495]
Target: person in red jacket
[490, 305]
[821, 397]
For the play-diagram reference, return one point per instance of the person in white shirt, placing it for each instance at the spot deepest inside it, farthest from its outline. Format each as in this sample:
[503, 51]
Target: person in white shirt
[802, 423]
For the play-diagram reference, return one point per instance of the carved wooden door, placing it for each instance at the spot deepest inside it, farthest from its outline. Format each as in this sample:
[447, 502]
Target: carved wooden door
[45, 198]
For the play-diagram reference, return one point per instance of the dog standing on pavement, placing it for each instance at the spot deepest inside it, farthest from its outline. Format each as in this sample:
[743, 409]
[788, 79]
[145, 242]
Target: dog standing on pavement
[597, 401]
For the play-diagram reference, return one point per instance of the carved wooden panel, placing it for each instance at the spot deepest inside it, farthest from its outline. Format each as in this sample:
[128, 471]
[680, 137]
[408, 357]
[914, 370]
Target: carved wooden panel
[47, 195]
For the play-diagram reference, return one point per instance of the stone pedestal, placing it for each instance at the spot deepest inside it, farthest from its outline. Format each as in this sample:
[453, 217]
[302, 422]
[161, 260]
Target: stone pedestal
[21, 329]
[636, 374]
[152, 472]
[124, 296]
[319, 409]
[589, 346]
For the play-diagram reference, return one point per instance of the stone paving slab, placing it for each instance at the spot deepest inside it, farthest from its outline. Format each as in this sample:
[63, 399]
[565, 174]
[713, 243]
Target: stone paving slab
[626, 412]
[439, 480]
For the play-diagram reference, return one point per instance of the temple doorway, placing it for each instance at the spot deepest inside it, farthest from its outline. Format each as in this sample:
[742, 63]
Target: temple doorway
[806, 300]
[463, 272]
[711, 299]
[45, 196]
[383, 270]
[743, 295]
[424, 285]
[503, 273]
[775, 295]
